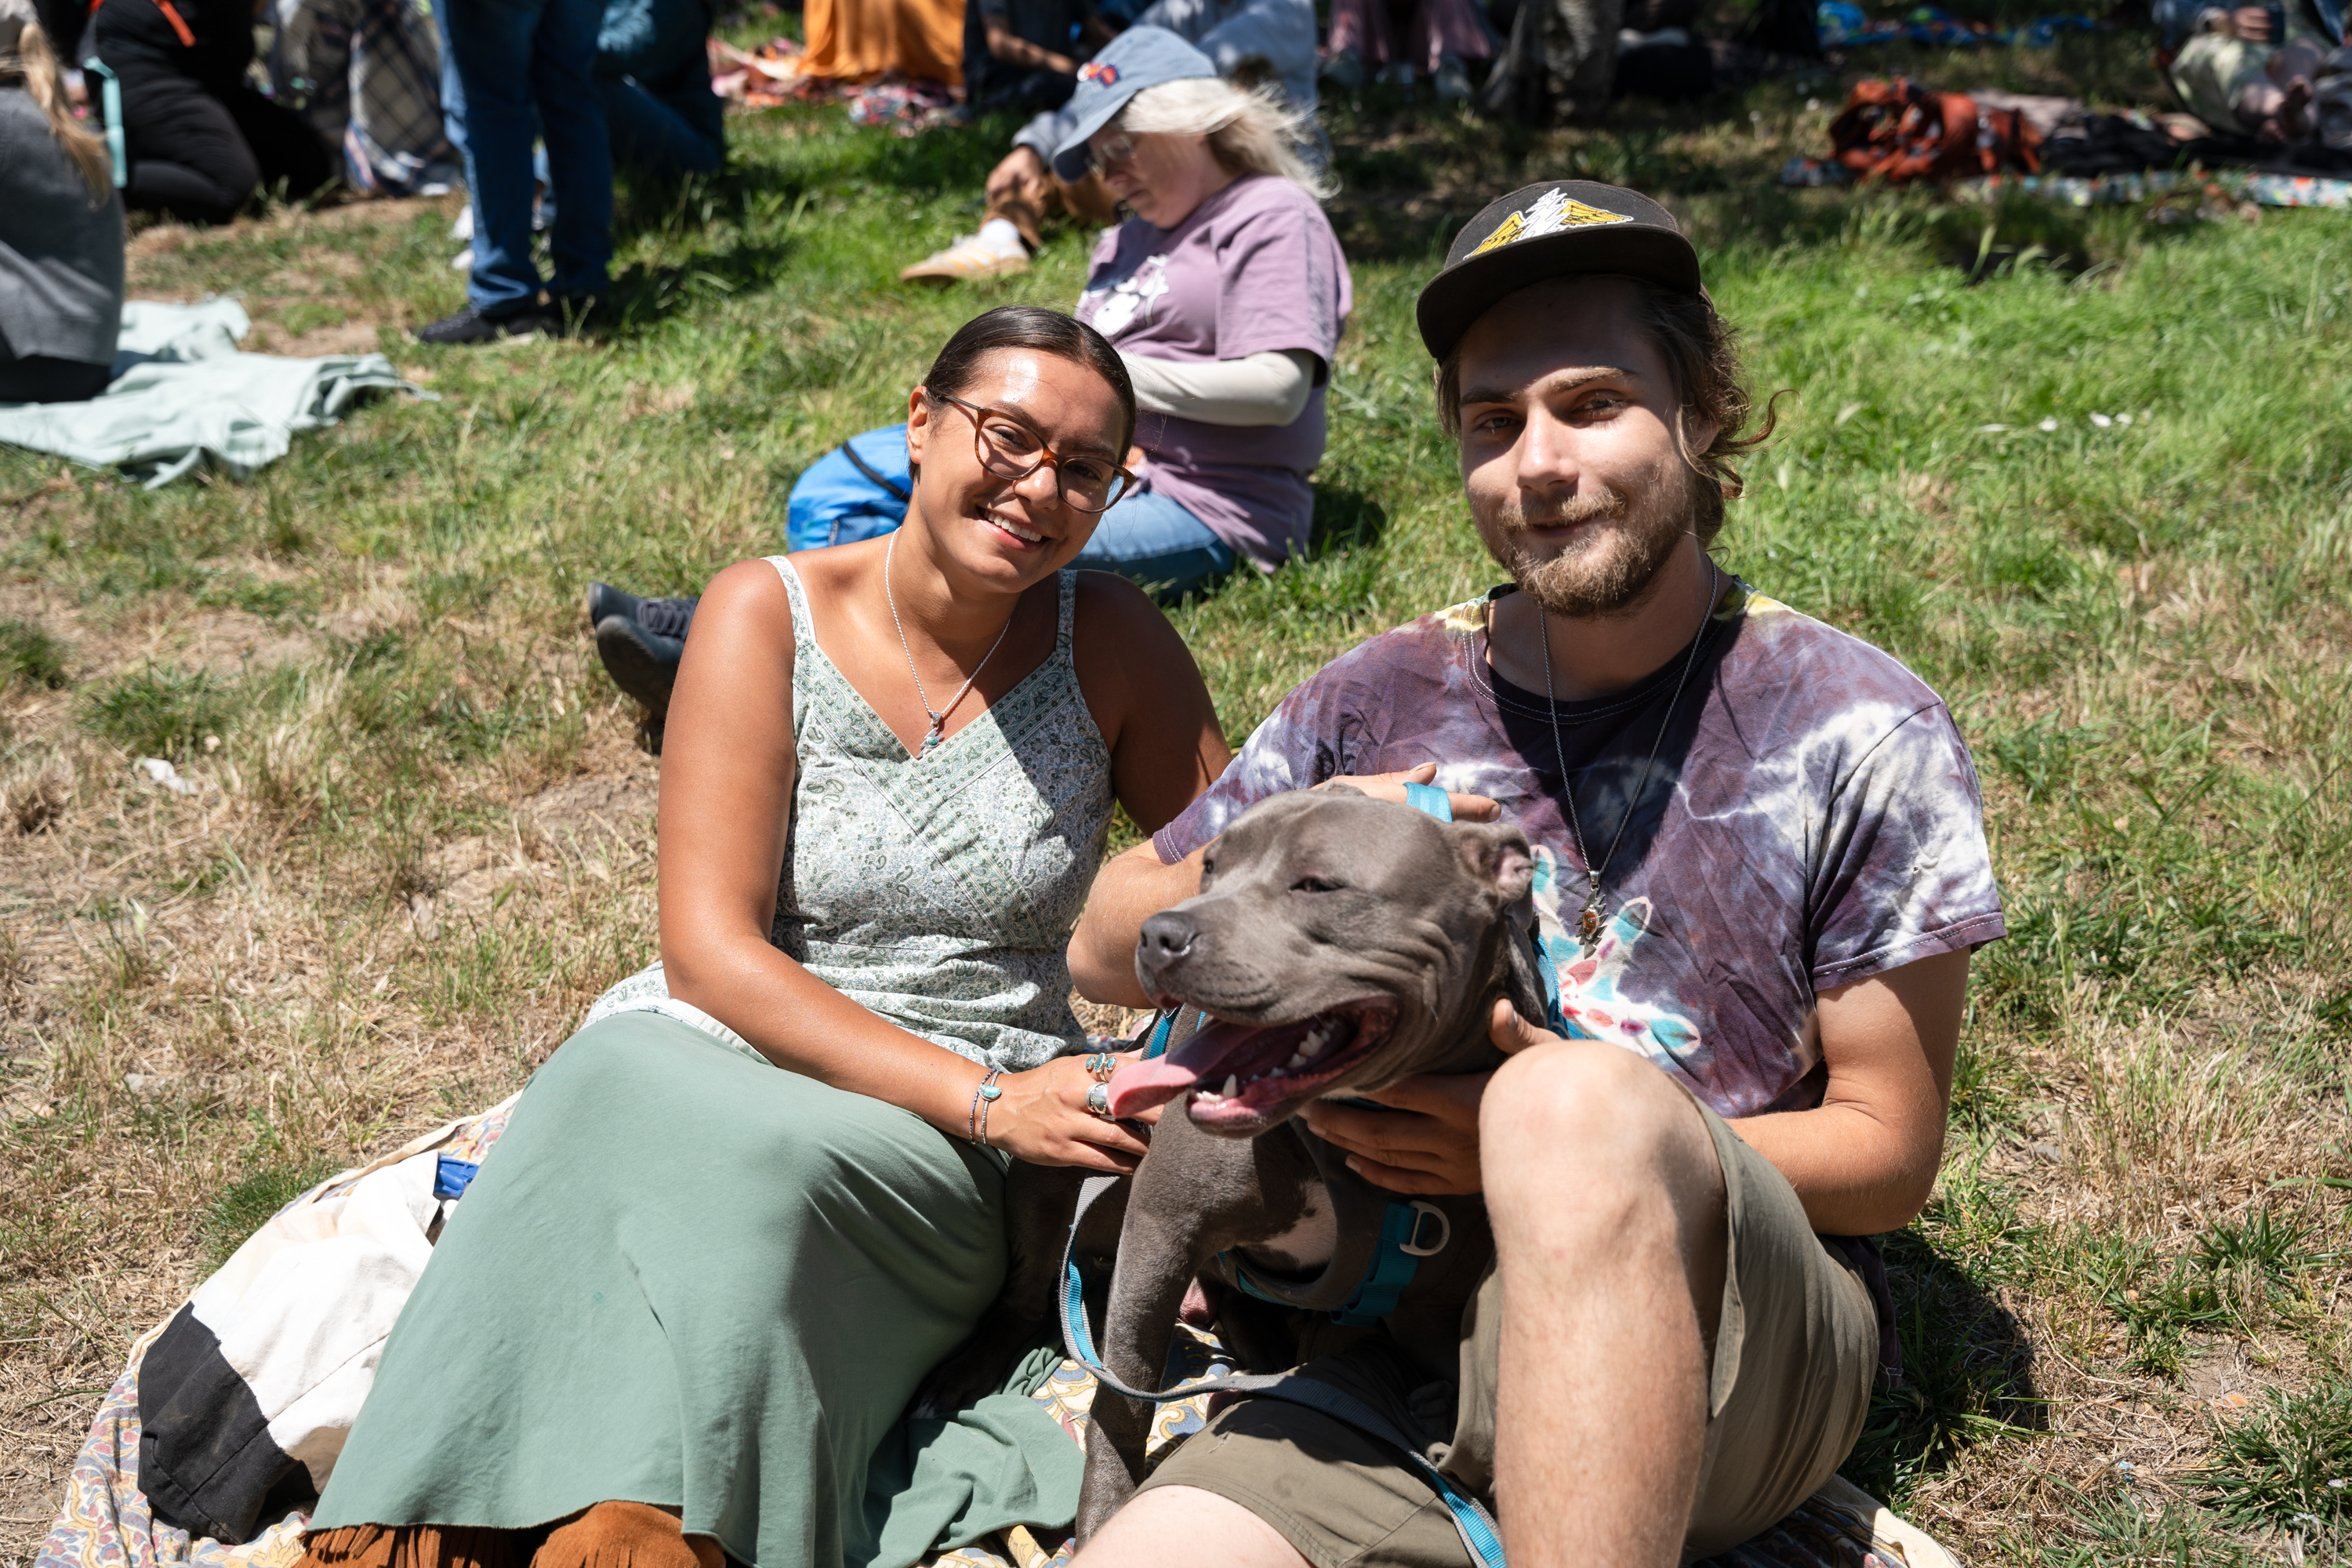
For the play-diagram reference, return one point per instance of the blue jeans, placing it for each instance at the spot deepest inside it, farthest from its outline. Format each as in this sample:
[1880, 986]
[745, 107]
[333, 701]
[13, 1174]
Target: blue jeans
[521, 67]
[663, 134]
[1153, 540]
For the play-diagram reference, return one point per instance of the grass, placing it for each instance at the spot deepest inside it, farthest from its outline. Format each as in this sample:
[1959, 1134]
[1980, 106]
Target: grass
[420, 841]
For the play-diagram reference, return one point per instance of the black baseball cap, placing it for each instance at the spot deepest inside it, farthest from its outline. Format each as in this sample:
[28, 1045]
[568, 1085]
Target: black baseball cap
[1557, 230]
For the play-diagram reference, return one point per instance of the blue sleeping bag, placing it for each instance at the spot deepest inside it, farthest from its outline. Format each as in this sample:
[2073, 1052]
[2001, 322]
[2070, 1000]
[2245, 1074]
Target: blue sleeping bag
[857, 491]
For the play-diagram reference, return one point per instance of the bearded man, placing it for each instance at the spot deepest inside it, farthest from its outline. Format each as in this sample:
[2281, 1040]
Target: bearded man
[1761, 870]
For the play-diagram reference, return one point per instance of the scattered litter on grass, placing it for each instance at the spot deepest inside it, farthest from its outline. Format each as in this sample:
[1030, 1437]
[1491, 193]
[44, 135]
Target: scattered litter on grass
[164, 773]
[906, 108]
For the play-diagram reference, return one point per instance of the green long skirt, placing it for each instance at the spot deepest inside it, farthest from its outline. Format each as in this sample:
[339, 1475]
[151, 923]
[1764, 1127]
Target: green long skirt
[687, 1277]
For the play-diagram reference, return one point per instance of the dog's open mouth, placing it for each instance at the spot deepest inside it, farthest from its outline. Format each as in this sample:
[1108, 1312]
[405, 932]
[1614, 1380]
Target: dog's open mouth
[1248, 1077]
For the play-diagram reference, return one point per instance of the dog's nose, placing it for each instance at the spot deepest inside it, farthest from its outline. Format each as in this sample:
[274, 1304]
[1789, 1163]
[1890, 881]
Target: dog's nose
[1166, 937]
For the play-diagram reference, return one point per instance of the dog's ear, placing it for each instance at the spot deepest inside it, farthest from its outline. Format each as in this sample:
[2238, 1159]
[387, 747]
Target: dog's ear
[1498, 855]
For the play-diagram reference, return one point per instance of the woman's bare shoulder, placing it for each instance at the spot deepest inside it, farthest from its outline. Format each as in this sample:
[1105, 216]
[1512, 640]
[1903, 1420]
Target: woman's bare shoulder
[1119, 634]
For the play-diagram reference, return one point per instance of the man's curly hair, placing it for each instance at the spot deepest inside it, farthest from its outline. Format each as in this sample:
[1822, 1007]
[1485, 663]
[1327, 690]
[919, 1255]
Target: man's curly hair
[1702, 354]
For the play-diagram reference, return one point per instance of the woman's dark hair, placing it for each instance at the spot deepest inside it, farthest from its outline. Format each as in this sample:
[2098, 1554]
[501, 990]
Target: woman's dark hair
[1043, 330]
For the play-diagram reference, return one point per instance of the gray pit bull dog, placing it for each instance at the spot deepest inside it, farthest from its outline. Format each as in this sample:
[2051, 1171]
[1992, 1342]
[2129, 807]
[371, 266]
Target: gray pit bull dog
[1338, 944]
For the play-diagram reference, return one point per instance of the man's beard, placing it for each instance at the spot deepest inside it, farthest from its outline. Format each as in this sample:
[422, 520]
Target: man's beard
[1611, 571]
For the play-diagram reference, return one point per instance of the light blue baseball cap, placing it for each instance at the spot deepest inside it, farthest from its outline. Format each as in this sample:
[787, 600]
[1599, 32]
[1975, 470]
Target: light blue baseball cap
[1137, 58]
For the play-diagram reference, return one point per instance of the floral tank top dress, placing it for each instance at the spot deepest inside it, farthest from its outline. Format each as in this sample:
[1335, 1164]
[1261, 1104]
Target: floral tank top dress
[938, 891]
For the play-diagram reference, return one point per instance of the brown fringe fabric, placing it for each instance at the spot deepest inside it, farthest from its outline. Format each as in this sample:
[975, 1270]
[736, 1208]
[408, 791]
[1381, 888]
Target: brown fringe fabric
[609, 1535]
[417, 1546]
[624, 1535]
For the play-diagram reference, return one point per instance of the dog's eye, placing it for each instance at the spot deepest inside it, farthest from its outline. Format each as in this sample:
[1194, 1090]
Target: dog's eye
[1314, 885]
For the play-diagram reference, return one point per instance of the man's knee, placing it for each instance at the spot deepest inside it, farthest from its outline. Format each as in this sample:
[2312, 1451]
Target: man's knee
[1215, 1528]
[1599, 1116]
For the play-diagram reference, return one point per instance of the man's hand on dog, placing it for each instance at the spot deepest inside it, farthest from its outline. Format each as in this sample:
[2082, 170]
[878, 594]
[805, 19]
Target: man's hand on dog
[1391, 787]
[1427, 1140]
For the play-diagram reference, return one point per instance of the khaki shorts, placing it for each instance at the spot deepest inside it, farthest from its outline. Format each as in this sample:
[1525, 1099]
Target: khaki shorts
[1795, 1354]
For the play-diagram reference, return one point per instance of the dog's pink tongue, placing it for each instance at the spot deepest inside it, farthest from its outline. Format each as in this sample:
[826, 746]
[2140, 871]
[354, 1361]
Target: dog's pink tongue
[1140, 1086]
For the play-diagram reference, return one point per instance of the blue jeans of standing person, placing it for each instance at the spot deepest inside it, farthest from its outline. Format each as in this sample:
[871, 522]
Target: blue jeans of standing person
[663, 130]
[524, 68]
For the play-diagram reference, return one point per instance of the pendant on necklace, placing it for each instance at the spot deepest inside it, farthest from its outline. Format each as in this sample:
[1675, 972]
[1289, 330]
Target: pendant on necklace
[929, 739]
[1588, 927]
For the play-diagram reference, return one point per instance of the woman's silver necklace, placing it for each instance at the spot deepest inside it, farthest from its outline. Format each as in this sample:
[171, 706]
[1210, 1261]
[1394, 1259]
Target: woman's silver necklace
[939, 719]
[1587, 920]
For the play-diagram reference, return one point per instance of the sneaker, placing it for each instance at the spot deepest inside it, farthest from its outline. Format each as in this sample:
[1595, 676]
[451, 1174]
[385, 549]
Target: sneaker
[1452, 82]
[964, 261]
[1395, 74]
[642, 663]
[1343, 69]
[470, 326]
[664, 618]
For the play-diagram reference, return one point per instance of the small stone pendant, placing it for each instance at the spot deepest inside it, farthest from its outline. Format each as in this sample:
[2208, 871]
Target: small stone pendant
[929, 741]
[1588, 927]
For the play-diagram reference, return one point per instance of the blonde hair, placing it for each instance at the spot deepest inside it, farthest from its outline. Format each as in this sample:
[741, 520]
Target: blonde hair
[32, 61]
[1250, 130]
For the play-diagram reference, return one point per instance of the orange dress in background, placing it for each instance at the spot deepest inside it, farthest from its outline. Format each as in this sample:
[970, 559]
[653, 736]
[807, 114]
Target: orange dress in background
[850, 39]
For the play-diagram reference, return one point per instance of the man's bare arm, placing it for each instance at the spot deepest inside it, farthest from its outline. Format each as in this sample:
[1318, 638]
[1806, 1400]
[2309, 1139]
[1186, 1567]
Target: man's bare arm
[1131, 888]
[1865, 1160]
[1015, 50]
[1862, 1162]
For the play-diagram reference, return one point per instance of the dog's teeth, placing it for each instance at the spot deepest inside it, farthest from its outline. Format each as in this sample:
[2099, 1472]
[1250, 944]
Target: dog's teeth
[1312, 1045]
[1232, 1087]
[1298, 1059]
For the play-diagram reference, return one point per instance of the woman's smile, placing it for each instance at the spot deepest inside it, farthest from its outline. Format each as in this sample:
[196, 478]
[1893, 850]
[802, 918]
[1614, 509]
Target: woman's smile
[1021, 535]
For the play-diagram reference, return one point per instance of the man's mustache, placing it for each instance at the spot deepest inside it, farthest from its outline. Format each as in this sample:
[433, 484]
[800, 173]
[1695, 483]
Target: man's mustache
[1578, 508]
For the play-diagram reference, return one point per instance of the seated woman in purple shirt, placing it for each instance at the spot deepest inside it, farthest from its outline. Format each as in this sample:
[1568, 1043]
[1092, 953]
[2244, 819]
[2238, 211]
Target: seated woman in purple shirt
[1225, 294]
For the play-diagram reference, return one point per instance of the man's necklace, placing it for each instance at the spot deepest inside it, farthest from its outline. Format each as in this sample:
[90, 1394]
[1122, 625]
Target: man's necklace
[939, 719]
[1588, 921]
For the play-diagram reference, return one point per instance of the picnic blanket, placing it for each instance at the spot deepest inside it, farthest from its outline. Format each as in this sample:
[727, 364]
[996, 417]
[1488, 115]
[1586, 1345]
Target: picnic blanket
[183, 392]
[310, 1389]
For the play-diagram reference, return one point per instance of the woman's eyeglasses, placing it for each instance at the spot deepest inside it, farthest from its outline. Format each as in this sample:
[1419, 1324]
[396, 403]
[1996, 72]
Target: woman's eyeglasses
[1009, 448]
[1111, 151]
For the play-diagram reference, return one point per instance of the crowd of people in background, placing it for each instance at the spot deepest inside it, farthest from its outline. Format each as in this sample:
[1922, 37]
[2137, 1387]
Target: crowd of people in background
[536, 106]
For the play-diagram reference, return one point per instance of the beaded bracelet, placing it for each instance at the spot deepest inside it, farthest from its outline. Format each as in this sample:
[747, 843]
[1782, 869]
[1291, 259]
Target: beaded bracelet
[976, 1122]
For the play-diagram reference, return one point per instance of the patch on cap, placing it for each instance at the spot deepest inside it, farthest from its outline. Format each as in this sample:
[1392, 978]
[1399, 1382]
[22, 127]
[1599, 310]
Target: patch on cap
[1552, 212]
[1099, 73]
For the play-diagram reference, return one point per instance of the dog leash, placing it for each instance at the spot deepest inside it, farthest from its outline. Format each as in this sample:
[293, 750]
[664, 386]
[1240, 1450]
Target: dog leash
[1480, 1535]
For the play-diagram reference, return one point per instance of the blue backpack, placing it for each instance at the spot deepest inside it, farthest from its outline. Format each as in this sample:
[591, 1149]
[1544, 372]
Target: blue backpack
[857, 491]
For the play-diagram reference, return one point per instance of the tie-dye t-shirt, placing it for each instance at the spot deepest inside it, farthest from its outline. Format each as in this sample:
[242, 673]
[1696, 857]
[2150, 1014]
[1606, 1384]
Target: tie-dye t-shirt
[1812, 820]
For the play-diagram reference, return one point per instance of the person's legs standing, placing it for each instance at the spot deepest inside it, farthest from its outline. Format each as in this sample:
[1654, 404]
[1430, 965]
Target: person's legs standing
[579, 152]
[491, 46]
[651, 137]
[1153, 542]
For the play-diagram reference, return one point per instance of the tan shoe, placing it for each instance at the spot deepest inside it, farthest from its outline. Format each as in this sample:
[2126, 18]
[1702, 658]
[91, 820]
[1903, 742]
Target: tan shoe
[964, 261]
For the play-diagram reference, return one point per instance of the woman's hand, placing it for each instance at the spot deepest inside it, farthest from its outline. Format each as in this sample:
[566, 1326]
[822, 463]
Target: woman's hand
[1427, 1140]
[1042, 1117]
[1391, 786]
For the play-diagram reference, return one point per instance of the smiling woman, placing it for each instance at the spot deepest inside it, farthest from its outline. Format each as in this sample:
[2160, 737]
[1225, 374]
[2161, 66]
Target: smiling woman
[692, 1280]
